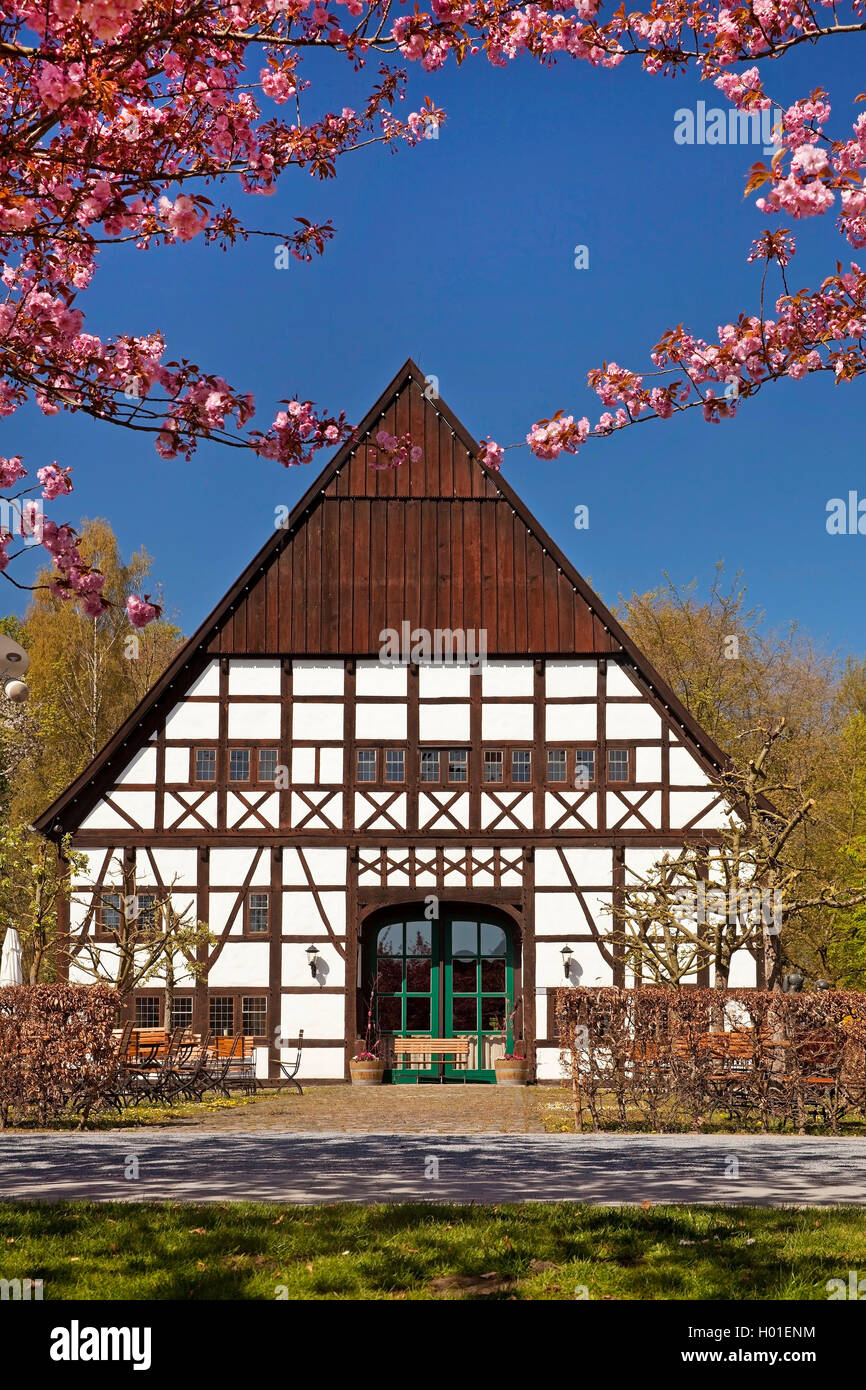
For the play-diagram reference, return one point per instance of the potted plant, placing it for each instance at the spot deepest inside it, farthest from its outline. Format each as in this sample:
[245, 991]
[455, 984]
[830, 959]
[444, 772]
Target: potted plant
[513, 1068]
[366, 1067]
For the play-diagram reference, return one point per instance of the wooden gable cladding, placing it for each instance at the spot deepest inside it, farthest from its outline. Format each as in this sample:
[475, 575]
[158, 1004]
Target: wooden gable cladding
[438, 543]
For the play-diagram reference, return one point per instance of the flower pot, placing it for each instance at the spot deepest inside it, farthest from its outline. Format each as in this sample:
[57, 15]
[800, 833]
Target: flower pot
[512, 1071]
[366, 1073]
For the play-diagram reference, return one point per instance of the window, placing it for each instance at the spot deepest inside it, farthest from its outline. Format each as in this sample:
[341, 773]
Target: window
[181, 1011]
[457, 763]
[257, 919]
[394, 764]
[205, 764]
[366, 764]
[267, 764]
[492, 766]
[584, 766]
[109, 911]
[143, 911]
[556, 765]
[521, 765]
[617, 764]
[147, 1011]
[239, 765]
[222, 1015]
[429, 765]
[254, 1014]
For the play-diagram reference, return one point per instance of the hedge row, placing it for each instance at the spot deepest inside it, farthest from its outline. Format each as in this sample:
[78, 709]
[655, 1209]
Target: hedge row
[56, 1049]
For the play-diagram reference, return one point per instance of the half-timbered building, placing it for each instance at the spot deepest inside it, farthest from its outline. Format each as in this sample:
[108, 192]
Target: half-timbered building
[348, 811]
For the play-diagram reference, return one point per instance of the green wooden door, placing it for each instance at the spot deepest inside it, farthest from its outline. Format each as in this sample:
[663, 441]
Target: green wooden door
[452, 977]
[478, 991]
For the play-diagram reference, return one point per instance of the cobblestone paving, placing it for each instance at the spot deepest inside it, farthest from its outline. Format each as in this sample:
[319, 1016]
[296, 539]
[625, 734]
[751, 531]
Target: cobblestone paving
[392, 1109]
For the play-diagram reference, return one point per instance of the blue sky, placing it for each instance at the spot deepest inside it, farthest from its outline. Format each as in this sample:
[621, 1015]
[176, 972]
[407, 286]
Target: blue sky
[460, 253]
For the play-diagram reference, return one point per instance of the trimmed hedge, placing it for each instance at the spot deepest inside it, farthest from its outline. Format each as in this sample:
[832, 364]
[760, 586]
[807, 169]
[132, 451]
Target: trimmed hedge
[56, 1049]
[668, 1059]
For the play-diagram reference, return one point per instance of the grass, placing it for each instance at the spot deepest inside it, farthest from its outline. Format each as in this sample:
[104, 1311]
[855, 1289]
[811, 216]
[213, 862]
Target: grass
[539, 1251]
[141, 1116]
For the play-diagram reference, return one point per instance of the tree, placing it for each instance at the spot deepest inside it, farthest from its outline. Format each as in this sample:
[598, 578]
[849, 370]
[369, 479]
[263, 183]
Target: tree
[706, 903]
[86, 675]
[122, 112]
[140, 937]
[33, 883]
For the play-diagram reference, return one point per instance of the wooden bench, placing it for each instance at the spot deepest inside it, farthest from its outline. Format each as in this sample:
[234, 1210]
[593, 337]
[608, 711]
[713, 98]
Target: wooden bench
[419, 1050]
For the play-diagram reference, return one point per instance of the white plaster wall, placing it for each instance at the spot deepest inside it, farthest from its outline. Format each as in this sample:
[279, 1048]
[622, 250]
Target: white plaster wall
[326, 866]
[241, 965]
[231, 866]
[141, 806]
[548, 1065]
[588, 966]
[511, 723]
[685, 805]
[587, 865]
[254, 678]
[380, 721]
[444, 722]
[301, 916]
[685, 770]
[315, 721]
[320, 1063]
[375, 678]
[507, 678]
[193, 720]
[632, 721]
[330, 765]
[570, 678]
[219, 907]
[177, 766]
[620, 680]
[571, 723]
[142, 768]
[648, 764]
[320, 1016]
[318, 677]
[586, 807]
[254, 721]
[207, 683]
[331, 967]
[744, 971]
[180, 865]
[303, 765]
[102, 817]
[443, 682]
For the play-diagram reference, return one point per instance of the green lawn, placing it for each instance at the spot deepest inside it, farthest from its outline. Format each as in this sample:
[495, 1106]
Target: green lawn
[538, 1251]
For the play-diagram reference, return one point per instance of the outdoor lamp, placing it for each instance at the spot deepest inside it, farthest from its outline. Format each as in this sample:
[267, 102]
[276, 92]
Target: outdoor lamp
[313, 957]
[13, 665]
[566, 954]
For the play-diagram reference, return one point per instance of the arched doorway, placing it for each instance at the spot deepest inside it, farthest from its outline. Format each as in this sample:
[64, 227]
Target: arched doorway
[452, 976]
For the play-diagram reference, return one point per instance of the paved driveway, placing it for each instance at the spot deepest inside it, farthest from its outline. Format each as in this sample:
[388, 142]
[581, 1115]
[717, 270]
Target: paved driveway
[302, 1168]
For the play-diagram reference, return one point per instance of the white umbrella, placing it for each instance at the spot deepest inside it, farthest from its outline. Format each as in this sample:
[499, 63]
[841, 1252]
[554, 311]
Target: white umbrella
[10, 964]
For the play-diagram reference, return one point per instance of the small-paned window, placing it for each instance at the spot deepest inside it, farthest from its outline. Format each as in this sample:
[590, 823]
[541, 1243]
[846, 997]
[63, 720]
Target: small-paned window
[366, 764]
[146, 1012]
[239, 764]
[521, 765]
[584, 766]
[258, 912]
[268, 764]
[617, 764]
[430, 765]
[222, 1015]
[492, 765]
[556, 771]
[395, 764]
[181, 1011]
[205, 764]
[109, 911]
[254, 1013]
[457, 764]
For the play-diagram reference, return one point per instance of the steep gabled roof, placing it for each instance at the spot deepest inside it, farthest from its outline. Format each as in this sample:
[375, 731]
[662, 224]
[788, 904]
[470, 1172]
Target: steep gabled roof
[441, 543]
